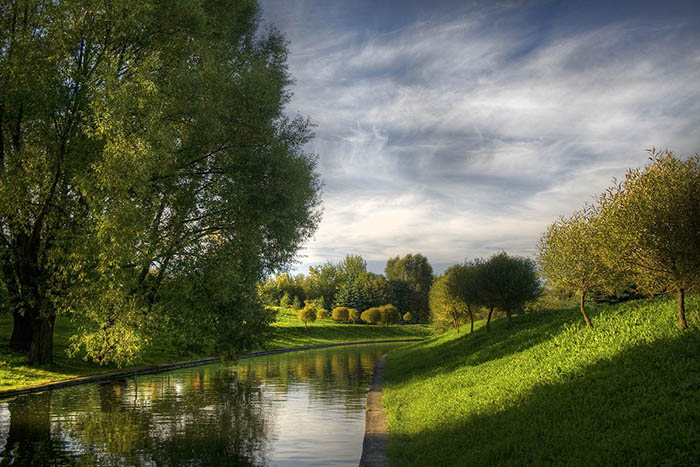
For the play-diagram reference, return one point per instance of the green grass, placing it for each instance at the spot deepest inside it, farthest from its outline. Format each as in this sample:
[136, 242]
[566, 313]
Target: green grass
[15, 373]
[551, 392]
[290, 332]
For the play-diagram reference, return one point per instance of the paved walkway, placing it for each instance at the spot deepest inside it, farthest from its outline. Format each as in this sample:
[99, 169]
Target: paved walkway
[376, 441]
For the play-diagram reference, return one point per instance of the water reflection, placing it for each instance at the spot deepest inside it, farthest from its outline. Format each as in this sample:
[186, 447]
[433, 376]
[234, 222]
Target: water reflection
[300, 408]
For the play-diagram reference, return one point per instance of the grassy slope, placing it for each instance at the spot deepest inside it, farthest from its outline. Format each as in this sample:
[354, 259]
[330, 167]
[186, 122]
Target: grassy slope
[552, 392]
[16, 374]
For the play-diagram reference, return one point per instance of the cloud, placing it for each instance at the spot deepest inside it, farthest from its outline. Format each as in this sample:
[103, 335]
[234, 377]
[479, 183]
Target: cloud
[455, 138]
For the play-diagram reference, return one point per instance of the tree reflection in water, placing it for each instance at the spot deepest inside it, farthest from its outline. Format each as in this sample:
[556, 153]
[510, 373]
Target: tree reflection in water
[213, 415]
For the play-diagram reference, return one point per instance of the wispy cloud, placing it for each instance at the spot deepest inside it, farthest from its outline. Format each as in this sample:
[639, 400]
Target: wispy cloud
[456, 138]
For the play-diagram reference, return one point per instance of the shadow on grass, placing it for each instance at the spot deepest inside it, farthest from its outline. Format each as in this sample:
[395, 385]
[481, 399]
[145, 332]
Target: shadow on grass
[640, 408]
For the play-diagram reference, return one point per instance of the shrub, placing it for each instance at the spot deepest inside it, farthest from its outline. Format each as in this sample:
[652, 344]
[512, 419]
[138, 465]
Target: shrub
[372, 315]
[307, 314]
[341, 314]
[321, 313]
[407, 317]
[354, 315]
[389, 315]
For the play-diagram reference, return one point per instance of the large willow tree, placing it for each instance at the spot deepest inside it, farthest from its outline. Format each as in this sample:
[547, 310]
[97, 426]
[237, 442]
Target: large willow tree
[148, 175]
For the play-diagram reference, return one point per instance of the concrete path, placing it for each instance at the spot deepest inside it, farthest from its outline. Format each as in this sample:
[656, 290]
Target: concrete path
[374, 447]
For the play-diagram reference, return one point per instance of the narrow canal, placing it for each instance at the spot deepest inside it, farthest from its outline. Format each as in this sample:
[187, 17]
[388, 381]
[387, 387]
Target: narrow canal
[299, 408]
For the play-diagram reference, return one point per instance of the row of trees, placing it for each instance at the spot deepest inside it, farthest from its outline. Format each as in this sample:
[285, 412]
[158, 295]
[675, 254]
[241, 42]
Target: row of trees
[405, 284]
[642, 233]
[149, 177]
[502, 282]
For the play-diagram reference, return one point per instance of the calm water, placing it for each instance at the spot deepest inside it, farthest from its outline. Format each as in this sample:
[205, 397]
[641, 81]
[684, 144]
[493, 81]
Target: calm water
[301, 408]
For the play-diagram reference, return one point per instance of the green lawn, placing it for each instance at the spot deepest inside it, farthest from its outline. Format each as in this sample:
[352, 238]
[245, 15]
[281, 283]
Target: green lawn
[15, 373]
[551, 392]
[290, 332]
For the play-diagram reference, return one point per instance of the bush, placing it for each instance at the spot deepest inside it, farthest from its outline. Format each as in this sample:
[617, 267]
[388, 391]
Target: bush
[354, 315]
[408, 317]
[307, 314]
[341, 314]
[389, 315]
[372, 315]
[285, 301]
[322, 313]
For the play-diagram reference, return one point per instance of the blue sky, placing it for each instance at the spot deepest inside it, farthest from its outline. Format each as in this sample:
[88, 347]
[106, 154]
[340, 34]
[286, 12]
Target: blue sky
[459, 129]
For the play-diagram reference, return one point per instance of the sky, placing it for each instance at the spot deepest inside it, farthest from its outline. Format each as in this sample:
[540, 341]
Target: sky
[458, 129]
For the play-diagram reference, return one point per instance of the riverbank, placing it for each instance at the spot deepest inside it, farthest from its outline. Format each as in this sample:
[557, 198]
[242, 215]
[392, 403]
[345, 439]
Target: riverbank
[551, 392]
[16, 374]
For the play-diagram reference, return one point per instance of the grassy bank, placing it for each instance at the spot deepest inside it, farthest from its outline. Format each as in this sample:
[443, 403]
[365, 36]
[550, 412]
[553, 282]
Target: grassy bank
[552, 392]
[15, 373]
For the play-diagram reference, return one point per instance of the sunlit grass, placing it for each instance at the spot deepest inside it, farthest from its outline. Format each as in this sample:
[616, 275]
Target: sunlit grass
[551, 392]
[290, 332]
[16, 373]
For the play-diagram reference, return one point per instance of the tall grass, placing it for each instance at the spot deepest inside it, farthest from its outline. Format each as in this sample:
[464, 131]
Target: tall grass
[551, 392]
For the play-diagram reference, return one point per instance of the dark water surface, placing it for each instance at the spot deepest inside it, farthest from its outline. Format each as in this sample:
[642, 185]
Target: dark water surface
[300, 408]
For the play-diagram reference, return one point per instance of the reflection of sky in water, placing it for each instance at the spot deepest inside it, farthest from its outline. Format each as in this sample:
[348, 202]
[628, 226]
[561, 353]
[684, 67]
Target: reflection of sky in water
[303, 408]
[4, 425]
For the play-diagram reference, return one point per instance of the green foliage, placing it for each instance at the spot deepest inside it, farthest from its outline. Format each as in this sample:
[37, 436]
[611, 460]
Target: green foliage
[571, 257]
[416, 272]
[583, 392]
[275, 288]
[507, 283]
[324, 281]
[296, 304]
[307, 315]
[372, 315]
[445, 306]
[285, 301]
[145, 144]
[407, 317]
[322, 313]
[652, 225]
[400, 294]
[389, 314]
[358, 294]
[354, 315]
[341, 314]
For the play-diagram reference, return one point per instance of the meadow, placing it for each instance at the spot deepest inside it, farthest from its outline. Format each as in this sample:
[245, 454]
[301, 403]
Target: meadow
[551, 391]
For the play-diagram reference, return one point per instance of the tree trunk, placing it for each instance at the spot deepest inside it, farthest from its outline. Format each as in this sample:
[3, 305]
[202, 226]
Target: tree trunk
[454, 321]
[471, 318]
[21, 339]
[583, 311]
[510, 319]
[488, 320]
[681, 309]
[41, 351]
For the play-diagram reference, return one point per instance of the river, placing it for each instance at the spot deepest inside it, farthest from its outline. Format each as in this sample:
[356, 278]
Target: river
[299, 408]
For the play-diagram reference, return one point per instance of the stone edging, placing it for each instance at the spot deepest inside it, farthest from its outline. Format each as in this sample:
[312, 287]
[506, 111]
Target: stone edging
[175, 366]
[374, 446]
